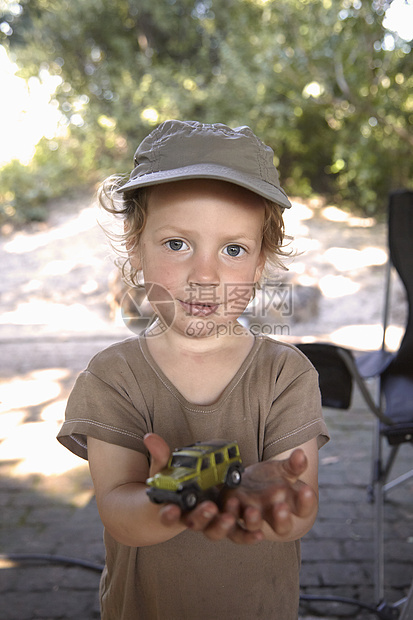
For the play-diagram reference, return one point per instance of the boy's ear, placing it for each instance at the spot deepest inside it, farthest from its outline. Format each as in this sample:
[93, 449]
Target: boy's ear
[260, 267]
[135, 259]
[133, 250]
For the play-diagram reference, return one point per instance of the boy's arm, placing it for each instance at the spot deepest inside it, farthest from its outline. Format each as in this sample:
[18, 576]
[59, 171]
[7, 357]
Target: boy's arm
[119, 476]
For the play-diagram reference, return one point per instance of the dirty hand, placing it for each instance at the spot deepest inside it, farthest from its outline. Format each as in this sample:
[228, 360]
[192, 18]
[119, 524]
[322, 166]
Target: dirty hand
[273, 492]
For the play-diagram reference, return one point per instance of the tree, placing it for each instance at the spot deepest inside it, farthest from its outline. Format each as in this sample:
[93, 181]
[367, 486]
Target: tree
[321, 81]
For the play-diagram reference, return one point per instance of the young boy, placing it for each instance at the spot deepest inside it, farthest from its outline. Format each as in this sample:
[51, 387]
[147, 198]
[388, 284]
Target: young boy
[202, 215]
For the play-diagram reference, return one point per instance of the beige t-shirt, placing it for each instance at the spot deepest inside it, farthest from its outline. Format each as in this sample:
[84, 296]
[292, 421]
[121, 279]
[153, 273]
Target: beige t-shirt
[272, 404]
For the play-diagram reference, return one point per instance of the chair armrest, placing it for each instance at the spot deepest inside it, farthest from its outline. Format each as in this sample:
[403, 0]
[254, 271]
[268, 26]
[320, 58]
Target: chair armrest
[374, 363]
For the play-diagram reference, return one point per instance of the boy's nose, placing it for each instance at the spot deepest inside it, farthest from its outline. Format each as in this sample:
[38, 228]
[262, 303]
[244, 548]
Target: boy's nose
[204, 271]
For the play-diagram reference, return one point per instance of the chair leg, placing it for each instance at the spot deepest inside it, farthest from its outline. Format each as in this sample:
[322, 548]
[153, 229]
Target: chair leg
[379, 542]
[377, 494]
[389, 464]
[378, 497]
[407, 613]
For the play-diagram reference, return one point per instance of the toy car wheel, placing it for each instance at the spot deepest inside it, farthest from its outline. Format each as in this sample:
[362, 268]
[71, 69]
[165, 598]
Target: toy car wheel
[155, 500]
[233, 478]
[189, 499]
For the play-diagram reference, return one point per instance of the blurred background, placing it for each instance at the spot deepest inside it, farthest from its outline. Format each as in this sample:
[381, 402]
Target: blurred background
[326, 83]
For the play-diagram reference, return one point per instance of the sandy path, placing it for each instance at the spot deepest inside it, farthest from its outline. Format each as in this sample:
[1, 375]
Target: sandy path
[55, 277]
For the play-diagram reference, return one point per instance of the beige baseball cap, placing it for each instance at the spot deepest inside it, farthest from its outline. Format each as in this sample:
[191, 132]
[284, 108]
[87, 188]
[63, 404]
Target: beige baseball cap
[178, 150]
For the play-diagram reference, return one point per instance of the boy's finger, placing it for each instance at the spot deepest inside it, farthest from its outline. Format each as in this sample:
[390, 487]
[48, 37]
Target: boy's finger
[232, 506]
[241, 536]
[281, 519]
[170, 514]
[220, 527]
[252, 519]
[306, 501]
[159, 451]
[199, 518]
[295, 465]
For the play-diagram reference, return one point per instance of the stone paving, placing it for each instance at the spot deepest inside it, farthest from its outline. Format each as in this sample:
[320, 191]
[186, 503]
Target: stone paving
[55, 513]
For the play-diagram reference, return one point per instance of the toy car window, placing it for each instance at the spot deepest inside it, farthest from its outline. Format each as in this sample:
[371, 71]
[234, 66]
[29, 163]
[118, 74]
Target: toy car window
[181, 460]
[219, 458]
[205, 463]
[232, 452]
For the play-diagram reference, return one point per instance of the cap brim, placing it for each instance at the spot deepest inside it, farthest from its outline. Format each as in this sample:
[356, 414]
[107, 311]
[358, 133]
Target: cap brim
[205, 171]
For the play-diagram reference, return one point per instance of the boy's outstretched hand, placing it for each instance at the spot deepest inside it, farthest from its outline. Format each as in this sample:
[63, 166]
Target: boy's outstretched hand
[273, 492]
[277, 499]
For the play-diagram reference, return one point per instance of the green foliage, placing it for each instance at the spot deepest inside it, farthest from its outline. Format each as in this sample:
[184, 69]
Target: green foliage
[320, 81]
[22, 195]
[57, 169]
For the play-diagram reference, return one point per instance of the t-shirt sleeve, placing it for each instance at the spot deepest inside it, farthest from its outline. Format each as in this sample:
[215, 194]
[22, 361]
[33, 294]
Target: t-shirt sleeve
[101, 406]
[295, 415]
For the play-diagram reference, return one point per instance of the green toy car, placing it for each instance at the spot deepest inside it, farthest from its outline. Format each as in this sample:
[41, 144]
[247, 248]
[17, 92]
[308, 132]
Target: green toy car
[193, 471]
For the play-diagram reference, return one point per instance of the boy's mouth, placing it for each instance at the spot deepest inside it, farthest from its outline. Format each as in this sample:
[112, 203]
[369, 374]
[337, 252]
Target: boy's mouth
[195, 308]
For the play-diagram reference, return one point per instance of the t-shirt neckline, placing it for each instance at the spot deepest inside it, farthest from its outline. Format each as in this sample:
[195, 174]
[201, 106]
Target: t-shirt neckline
[231, 386]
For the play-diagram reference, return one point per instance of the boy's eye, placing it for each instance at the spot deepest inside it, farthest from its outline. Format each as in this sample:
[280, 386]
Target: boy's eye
[176, 245]
[234, 250]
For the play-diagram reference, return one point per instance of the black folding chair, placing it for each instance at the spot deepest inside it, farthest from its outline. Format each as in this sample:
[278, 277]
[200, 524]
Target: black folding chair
[339, 369]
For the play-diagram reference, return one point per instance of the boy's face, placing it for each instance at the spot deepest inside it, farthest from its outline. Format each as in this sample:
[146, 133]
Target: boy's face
[201, 247]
